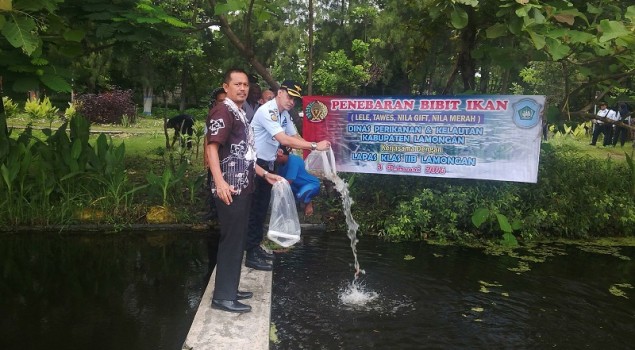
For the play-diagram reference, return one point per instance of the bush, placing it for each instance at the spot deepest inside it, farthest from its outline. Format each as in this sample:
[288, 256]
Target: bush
[71, 110]
[10, 107]
[108, 107]
[41, 109]
[576, 197]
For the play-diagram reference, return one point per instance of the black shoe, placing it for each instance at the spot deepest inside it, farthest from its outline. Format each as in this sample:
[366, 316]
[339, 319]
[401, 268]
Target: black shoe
[230, 305]
[264, 254]
[256, 262]
[240, 295]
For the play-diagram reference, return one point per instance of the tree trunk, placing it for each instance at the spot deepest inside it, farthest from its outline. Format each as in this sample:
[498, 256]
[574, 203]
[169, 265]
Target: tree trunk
[184, 80]
[245, 50]
[466, 62]
[484, 82]
[147, 100]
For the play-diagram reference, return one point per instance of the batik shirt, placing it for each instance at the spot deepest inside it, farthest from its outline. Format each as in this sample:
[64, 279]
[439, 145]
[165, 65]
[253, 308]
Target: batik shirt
[227, 126]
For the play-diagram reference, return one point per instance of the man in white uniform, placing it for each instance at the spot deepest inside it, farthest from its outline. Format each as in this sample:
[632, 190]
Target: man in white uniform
[602, 127]
[272, 126]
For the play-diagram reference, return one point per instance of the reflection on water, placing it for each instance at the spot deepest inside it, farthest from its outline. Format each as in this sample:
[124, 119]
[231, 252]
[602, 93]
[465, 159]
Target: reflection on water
[450, 298]
[117, 291]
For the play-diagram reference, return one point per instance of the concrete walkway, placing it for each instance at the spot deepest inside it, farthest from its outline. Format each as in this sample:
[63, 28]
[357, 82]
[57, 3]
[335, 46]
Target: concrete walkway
[219, 330]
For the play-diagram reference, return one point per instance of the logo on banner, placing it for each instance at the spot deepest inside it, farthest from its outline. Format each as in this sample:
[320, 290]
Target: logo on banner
[316, 112]
[526, 113]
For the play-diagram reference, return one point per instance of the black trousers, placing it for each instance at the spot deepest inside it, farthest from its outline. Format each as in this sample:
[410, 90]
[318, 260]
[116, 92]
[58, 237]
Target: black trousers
[619, 134]
[259, 209]
[233, 228]
[597, 130]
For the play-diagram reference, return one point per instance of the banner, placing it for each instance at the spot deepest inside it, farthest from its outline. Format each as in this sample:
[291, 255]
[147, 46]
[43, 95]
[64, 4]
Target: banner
[491, 137]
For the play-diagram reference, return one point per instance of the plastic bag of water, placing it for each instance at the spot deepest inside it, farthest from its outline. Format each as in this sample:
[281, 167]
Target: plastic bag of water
[321, 164]
[284, 226]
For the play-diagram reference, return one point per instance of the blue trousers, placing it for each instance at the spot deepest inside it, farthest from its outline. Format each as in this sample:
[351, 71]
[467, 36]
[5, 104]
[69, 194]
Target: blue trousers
[307, 192]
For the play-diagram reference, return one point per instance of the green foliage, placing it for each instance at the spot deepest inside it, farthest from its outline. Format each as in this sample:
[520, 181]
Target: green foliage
[482, 215]
[631, 168]
[10, 108]
[338, 74]
[45, 180]
[71, 110]
[166, 181]
[576, 197]
[41, 109]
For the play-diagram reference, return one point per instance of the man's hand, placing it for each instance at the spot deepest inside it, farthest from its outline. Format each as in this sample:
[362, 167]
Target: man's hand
[273, 178]
[224, 192]
[323, 145]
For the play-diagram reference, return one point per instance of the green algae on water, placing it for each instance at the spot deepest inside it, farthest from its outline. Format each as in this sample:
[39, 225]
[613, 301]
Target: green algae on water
[617, 289]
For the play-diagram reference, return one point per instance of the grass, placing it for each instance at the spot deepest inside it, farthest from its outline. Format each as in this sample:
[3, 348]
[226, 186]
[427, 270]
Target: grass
[598, 151]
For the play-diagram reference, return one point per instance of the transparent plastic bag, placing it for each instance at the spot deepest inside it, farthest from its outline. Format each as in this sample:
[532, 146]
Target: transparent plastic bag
[321, 164]
[284, 225]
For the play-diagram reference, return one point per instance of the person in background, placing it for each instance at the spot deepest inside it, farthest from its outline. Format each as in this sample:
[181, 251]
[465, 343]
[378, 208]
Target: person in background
[304, 185]
[217, 96]
[252, 103]
[231, 156]
[601, 126]
[272, 126]
[182, 124]
[267, 96]
[620, 132]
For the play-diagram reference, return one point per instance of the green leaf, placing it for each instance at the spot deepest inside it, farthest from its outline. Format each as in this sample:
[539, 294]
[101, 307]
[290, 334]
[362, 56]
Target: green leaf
[496, 31]
[20, 34]
[480, 216]
[503, 223]
[537, 39]
[473, 3]
[6, 5]
[76, 150]
[458, 18]
[576, 36]
[592, 9]
[74, 35]
[56, 83]
[556, 49]
[630, 13]
[39, 61]
[2, 21]
[147, 20]
[509, 240]
[611, 30]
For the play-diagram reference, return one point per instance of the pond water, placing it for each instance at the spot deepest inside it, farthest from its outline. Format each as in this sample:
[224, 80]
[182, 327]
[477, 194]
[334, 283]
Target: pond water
[442, 297]
[96, 291]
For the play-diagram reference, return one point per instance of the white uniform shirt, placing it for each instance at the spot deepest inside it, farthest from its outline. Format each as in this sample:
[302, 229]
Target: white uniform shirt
[268, 121]
[607, 113]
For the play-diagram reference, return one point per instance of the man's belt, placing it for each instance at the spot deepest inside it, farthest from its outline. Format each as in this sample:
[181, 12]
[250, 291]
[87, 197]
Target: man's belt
[265, 164]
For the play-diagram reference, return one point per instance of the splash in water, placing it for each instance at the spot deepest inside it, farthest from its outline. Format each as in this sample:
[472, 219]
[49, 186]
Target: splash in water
[355, 294]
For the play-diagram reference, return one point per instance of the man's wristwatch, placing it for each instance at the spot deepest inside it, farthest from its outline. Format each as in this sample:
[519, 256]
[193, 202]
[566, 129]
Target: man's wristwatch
[313, 146]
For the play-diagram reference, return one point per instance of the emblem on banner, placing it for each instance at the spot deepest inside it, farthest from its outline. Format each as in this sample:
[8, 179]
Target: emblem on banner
[526, 113]
[316, 111]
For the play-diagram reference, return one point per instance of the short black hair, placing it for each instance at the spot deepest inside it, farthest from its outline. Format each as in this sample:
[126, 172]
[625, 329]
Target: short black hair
[285, 149]
[228, 74]
[216, 92]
